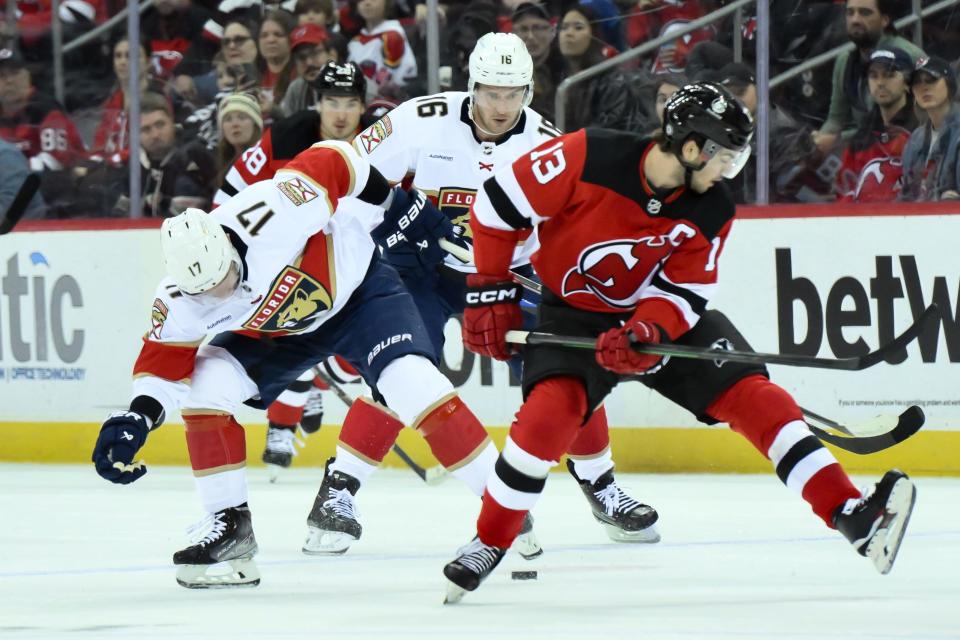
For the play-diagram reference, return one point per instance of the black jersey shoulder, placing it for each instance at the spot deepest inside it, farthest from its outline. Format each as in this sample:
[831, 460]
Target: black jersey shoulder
[295, 133]
[613, 162]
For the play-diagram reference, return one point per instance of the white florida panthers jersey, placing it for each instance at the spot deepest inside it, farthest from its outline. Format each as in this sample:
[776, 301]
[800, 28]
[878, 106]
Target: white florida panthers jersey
[304, 239]
[432, 140]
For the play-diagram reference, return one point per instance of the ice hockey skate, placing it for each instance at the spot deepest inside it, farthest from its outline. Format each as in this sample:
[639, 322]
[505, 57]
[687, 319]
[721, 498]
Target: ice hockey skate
[623, 518]
[526, 543]
[223, 555]
[332, 522]
[281, 447]
[875, 523]
[312, 411]
[474, 562]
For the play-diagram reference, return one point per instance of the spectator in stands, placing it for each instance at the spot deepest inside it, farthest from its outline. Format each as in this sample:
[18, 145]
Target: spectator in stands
[381, 48]
[110, 140]
[319, 12]
[15, 171]
[238, 44]
[277, 69]
[182, 36]
[241, 125]
[310, 53]
[665, 86]
[871, 169]
[173, 176]
[604, 100]
[34, 122]
[202, 124]
[930, 159]
[532, 24]
[869, 26]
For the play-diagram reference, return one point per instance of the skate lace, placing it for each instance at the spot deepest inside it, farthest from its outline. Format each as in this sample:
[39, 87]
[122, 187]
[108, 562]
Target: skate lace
[853, 504]
[283, 440]
[207, 530]
[477, 556]
[341, 502]
[314, 404]
[615, 500]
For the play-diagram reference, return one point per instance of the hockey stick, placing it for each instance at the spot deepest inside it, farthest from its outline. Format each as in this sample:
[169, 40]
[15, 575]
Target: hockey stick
[20, 202]
[908, 423]
[433, 475]
[732, 355]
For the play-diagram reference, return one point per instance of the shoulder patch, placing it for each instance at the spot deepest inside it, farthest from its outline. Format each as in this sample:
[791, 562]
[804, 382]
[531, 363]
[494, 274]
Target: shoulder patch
[376, 133]
[158, 315]
[298, 191]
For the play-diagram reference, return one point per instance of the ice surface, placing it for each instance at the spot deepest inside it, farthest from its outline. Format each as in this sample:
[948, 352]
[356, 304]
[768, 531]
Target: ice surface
[741, 558]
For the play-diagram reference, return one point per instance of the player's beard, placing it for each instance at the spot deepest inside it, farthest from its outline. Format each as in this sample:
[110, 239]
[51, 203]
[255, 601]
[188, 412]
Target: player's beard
[865, 39]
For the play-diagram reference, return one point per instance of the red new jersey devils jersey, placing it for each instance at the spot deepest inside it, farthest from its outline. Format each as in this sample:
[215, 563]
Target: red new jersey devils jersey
[609, 242]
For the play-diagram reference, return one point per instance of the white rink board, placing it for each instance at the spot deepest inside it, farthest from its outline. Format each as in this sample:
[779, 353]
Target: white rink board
[115, 273]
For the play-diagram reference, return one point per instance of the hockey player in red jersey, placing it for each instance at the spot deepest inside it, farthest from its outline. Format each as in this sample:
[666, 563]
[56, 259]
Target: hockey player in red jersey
[471, 134]
[285, 275]
[630, 232]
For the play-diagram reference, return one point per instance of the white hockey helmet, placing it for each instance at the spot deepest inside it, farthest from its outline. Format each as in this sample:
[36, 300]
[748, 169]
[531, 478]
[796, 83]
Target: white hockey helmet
[196, 251]
[501, 60]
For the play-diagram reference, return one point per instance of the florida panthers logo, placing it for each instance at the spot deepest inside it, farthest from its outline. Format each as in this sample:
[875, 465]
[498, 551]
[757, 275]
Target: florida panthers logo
[293, 302]
[614, 271]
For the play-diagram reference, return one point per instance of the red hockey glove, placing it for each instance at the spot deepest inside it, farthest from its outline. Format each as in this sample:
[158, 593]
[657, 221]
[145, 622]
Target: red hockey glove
[492, 309]
[614, 350]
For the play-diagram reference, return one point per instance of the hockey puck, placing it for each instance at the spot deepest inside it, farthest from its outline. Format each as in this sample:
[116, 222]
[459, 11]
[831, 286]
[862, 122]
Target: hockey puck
[523, 575]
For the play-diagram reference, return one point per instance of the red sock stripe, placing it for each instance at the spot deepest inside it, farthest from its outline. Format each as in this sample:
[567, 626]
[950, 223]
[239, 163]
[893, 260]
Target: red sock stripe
[282, 413]
[369, 430]
[828, 489]
[452, 431]
[497, 525]
[594, 438]
[214, 441]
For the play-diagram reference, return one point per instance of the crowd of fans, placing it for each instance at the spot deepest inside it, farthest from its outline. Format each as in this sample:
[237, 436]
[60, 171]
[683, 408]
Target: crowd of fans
[882, 123]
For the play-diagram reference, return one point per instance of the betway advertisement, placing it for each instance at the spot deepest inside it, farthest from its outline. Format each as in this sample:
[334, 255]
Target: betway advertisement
[74, 305]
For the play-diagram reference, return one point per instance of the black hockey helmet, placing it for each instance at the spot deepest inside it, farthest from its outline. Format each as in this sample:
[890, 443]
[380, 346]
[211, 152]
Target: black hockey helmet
[707, 112]
[341, 79]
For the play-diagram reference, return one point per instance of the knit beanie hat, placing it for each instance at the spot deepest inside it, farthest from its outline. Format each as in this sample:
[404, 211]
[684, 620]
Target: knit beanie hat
[242, 103]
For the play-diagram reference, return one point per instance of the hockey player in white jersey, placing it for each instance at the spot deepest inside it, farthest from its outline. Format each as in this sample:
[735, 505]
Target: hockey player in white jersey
[450, 143]
[285, 274]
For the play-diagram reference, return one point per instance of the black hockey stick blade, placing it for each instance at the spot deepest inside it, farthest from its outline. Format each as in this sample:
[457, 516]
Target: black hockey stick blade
[733, 355]
[908, 424]
[20, 202]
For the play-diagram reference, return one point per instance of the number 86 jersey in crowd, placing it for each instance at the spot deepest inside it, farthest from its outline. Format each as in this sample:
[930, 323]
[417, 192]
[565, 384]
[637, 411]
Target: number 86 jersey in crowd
[432, 139]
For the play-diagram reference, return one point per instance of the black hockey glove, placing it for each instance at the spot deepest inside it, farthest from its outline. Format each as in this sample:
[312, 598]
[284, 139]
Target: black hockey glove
[410, 232]
[121, 436]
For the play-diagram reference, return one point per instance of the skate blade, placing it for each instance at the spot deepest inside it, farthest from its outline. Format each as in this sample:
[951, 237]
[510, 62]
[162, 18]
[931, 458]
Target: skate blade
[273, 472]
[527, 546]
[454, 593]
[885, 544]
[650, 535]
[232, 574]
[435, 475]
[327, 543]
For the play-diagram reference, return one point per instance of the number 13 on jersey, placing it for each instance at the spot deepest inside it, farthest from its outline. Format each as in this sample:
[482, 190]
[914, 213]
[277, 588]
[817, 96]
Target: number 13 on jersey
[548, 163]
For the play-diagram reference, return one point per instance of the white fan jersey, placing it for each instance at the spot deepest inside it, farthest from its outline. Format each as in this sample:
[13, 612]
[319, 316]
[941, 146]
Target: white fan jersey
[384, 54]
[432, 140]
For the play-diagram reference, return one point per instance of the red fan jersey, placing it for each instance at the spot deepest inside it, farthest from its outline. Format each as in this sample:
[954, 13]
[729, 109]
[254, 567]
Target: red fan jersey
[44, 134]
[609, 242]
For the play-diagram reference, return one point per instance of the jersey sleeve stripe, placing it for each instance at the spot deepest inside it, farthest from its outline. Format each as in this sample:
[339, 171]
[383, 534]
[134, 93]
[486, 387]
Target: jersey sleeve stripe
[696, 295]
[504, 207]
[507, 180]
[376, 190]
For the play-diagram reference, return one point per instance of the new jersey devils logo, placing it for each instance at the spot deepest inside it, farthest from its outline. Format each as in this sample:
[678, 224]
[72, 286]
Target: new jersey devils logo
[614, 272]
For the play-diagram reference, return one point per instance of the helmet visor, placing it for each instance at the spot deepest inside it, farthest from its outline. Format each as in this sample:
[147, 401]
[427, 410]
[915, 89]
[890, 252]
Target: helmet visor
[730, 161]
